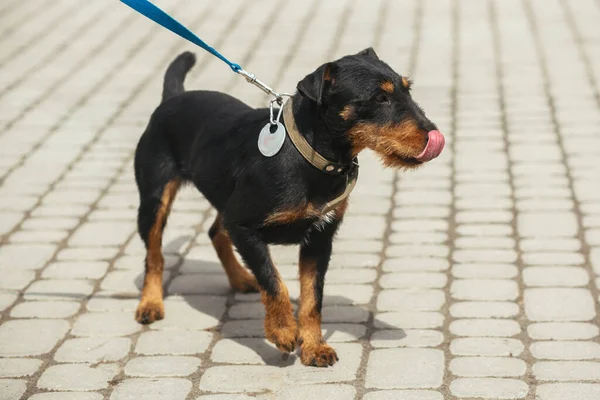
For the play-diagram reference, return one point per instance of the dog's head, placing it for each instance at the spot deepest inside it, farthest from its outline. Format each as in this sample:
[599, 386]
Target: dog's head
[370, 103]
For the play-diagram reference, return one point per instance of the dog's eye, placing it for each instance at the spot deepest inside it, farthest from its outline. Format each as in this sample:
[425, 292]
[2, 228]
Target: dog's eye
[381, 98]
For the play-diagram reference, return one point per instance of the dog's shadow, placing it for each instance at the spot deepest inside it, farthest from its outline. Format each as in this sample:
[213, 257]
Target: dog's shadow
[242, 321]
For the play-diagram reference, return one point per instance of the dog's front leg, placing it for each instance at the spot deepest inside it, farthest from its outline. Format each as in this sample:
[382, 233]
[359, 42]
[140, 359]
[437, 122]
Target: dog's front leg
[314, 261]
[280, 324]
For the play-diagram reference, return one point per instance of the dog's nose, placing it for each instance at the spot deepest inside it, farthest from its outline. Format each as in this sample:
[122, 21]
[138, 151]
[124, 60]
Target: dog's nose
[433, 148]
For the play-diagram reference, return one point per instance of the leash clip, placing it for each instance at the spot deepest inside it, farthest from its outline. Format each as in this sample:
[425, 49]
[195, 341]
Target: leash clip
[278, 100]
[251, 78]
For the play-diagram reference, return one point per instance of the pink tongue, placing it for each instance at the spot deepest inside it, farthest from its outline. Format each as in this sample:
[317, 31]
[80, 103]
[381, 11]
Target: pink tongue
[434, 147]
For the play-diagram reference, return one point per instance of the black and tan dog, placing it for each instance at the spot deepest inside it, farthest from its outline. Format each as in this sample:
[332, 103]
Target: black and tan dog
[298, 196]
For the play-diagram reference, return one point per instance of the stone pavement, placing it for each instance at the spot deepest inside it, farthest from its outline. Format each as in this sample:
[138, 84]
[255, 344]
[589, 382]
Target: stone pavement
[476, 276]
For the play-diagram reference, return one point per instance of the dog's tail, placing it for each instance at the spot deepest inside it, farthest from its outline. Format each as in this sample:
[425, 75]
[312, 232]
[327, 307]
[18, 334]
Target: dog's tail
[175, 75]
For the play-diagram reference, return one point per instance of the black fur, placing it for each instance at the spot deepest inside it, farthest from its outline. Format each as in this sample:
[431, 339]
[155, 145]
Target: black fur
[209, 139]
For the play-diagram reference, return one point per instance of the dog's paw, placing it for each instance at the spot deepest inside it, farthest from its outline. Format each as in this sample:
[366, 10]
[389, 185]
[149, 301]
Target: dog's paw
[245, 284]
[148, 312]
[320, 355]
[285, 338]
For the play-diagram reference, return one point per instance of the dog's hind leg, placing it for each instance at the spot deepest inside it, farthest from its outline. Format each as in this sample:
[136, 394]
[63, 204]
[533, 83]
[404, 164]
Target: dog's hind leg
[239, 277]
[158, 182]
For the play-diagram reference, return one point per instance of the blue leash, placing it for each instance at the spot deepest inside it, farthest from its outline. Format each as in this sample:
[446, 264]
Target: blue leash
[157, 15]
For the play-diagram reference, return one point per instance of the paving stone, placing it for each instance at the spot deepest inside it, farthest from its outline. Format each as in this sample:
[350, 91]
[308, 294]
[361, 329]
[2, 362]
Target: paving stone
[557, 350]
[66, 396]
[12, 388]
[76, 377]
[405, 369]
[152, 389]
[45, 236]
[415, 264]
[348, 260]
[337, 276]
[547, 244]
[406, 338]
[485, 328]
[474, 367]
[408, 319]
[468, 242]
[555, 276]
[553, 258]
[173, 343]
[484, 309]
[243, 378]
[108, 301]
[567, 371]
[339, 313]
[93, 350]
[35, 336]
[559, 304]
[421, 299]
[347, 294]
[491, 347]
[568, 391]
[489, 388]
[191, 312]
[403, 394]
[418, 238]
[484, 230]
[485, 256]
[59, 290]
[45, 309]
[243, 328]
[413, 280]
[562, 331]
[18, 367]
[200, 284]
[225, 397]
[16, 280]
[6, 300]
[247, 351]
[99, 234]
[126, 282]
[157, 366]
[87, 253]
[484, 289]
[25, 257]
[76, 270]
[417, 250]
[105, 325]
[316, 392]
[547, 225]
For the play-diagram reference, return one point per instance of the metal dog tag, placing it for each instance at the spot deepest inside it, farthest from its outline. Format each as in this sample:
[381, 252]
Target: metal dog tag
[269, 143]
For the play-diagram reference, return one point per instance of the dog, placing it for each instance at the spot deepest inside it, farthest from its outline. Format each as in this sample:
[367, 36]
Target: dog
[298, 196]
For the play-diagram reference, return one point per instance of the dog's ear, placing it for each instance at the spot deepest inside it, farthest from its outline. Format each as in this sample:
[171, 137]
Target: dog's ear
[368, 52]
[313, 85]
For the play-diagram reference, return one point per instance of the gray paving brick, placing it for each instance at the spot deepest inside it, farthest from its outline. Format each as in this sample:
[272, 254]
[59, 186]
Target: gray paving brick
[75, 270]
[484, 289]
[35, 336]
[66, 396]
[492, 347]
[93, 350]
[571, 350]
[59, 290]
[500, 388]
[568, 391]
[173, 343]
[152, 388]
[562, 331]
[566, 370]
[45, 309]
[191, 312]
[18, 367]
[559, 304]
[487, 367]
[485, 328]
[406, 338]
[424, 300]
[77, 377]
[484, 309]
[403, 394]
[12, 388]
[105, 325]
[409, 320]
[157, 366]
[316, 392]
[25, 257]
[405, 369]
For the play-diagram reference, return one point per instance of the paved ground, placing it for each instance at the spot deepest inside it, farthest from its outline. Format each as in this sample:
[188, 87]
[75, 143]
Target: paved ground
[475, 277]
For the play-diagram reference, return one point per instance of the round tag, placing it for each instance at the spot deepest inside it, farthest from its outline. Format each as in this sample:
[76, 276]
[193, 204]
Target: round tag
[269, 143]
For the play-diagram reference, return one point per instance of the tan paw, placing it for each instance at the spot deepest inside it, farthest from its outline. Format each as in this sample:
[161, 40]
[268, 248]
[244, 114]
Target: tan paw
[244, 284]
[285, 338]
[320, 355]
[148, 312]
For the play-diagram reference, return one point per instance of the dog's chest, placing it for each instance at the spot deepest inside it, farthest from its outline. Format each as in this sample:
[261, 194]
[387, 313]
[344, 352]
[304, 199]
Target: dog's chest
[295, 230]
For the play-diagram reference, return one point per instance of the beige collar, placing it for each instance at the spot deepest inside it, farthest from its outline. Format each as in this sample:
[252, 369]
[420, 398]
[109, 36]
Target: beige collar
[317, 160]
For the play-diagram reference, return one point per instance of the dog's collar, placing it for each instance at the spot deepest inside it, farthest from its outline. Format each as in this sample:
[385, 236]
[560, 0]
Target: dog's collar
[311, 155]
[318, 161]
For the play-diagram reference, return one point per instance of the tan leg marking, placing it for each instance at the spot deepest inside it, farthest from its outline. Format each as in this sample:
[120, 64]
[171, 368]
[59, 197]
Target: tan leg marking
[314, 350]
[151, 307]
[239, 277]
[280, 324]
